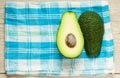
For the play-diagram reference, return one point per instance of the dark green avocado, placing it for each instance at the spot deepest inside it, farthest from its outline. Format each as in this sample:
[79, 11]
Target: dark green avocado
[93, 30]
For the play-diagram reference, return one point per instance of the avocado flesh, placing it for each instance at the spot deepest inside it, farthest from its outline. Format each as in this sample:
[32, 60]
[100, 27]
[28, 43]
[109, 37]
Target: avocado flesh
[93, 30]
[69, 25]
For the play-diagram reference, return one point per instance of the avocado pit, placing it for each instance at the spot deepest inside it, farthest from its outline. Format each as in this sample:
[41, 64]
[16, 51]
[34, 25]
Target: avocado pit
[70, 40]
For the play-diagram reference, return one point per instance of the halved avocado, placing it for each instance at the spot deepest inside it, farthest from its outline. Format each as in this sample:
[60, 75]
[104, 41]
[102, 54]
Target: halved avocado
[69, 37]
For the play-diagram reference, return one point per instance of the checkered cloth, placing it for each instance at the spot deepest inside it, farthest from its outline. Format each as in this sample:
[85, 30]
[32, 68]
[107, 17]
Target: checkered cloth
[30, 40]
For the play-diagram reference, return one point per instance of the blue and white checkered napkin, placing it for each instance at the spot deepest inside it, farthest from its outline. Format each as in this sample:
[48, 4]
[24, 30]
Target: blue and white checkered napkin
[30, 40]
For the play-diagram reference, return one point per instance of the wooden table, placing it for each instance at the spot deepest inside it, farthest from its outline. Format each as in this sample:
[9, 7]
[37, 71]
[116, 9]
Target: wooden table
[115, 25]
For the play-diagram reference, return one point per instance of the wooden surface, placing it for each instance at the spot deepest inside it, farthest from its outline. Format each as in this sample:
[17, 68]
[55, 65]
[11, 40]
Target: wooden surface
[115, 25]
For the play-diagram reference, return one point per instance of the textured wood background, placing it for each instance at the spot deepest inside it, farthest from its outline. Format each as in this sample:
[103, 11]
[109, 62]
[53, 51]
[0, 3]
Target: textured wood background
[115, 25]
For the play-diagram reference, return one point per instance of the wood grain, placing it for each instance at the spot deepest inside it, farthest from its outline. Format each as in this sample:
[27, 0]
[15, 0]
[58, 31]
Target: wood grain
[2, 70]
[115, 25]
[3, 76]
[108, 76]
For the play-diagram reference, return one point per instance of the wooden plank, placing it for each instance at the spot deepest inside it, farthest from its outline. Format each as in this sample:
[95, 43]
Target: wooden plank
[2, 70]
[116, 76]
[116, 35]
[107, 76]
[114, 10]
[115, 25]
[18, 76]
[3, 76]
[115, 22]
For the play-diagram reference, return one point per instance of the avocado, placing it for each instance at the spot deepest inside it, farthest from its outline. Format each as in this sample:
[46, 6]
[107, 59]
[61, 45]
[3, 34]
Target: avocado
[69, 38]
[93, 30]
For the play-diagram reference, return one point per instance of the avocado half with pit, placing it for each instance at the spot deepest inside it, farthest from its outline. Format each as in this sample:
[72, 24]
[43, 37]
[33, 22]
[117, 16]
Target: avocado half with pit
[70, 41]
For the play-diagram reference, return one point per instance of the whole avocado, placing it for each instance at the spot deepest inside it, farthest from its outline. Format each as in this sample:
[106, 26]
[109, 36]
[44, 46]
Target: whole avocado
[92, 27]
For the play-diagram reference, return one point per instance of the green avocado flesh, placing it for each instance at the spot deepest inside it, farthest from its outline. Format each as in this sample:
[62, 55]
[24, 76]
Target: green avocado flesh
[93, 29]
[70, 41]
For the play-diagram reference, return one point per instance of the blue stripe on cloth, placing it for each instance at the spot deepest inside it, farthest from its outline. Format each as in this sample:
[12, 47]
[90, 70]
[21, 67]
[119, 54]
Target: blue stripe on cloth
[41, 22]
[44, 44]
[49, 50]
[30, 45]
[46, 56]
[54, 10]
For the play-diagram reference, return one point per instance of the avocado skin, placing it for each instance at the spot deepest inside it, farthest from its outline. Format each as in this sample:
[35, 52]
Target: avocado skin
[93, 30]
